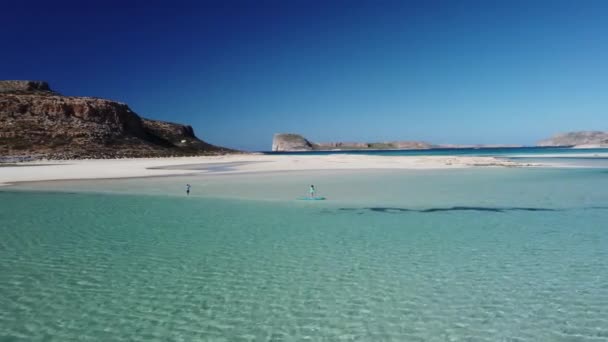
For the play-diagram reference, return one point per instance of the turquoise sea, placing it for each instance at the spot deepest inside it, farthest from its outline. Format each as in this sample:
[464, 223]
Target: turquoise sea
[480, 254]
[471, 151]
[562, 156]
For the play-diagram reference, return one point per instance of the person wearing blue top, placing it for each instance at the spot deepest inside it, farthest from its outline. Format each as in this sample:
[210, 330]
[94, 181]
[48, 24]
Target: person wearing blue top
[312, 191]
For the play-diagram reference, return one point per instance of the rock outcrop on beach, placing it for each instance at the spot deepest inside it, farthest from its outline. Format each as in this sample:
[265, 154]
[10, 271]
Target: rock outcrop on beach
[577, 139]
[36, 122]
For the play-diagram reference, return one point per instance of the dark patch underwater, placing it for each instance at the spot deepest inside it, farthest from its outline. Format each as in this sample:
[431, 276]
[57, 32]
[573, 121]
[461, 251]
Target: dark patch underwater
[456, 208]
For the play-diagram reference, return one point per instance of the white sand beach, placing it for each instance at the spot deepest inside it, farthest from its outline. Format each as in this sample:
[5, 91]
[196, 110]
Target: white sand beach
[233, 164]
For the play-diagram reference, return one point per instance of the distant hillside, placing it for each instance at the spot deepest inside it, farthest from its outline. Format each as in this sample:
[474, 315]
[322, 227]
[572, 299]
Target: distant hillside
[36, 122]
[294, 142]
[577, 139]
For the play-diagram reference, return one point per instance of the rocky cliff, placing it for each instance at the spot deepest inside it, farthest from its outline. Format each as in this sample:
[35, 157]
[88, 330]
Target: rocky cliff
[24, 86]
[580, 139]
[294, 142]
[290, 142]
[36, 122]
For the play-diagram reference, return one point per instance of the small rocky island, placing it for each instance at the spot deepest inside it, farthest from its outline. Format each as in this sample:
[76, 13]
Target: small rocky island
[36, 122]
[294, 142]
[290, 142]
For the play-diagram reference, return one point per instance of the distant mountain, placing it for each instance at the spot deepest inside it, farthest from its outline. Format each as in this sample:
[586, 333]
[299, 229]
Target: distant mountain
[577, 139]
[36, 122]
[290, 142]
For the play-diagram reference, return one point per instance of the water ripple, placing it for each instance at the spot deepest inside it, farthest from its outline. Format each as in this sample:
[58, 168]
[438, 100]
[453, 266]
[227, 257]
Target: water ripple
[120, 268]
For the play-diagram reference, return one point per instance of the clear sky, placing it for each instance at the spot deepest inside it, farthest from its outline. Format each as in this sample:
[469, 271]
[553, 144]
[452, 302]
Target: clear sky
[239, 71]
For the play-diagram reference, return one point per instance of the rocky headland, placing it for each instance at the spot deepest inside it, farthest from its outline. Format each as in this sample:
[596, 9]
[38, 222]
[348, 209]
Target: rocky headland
[289, 142]
[38, 123]
[580, 139]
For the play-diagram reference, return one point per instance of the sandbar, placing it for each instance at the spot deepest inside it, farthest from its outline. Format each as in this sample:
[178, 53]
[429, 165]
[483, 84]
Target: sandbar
[232, 164]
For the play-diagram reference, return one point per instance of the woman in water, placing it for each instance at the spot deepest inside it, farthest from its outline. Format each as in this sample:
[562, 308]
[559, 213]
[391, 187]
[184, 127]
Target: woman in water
[312, 191]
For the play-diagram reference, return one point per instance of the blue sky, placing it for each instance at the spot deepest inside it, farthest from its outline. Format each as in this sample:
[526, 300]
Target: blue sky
[239, 71]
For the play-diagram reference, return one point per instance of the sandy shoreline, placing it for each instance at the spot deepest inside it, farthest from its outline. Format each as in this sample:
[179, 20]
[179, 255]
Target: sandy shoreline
[230, 164]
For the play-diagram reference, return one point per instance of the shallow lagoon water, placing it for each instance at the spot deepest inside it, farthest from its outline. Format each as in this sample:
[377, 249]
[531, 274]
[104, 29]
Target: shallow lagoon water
[452, 255]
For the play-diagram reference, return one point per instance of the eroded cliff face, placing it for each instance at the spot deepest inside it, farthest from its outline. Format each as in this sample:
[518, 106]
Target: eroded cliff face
[178, 135]
[24, 86]
[36, 122]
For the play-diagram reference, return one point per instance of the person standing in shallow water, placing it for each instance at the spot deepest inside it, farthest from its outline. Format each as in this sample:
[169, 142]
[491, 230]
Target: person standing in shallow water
[188, 189]
[312, 191]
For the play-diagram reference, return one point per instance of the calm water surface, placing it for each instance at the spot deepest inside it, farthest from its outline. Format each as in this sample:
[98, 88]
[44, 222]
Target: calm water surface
[486, 151]
[458, 255]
